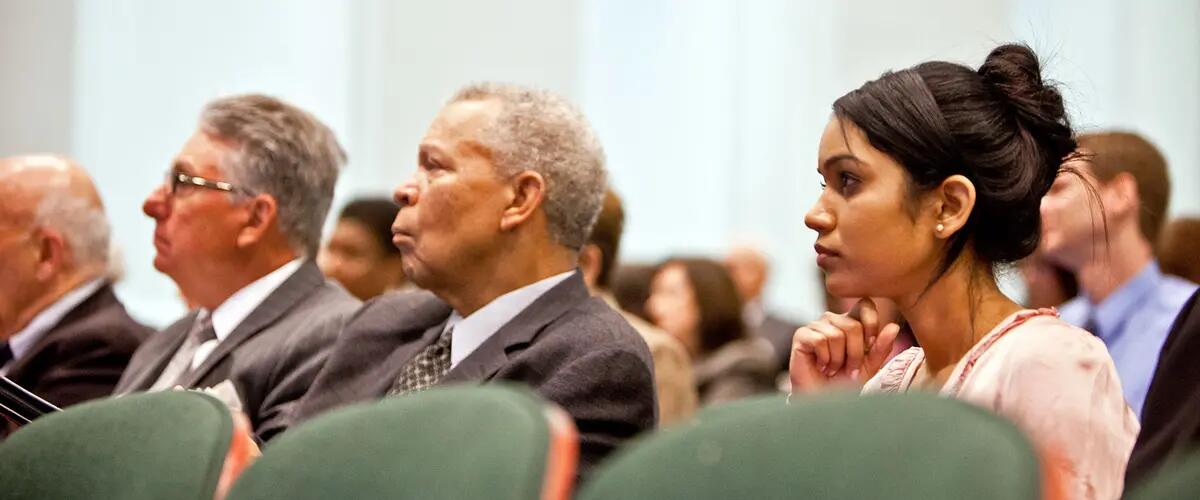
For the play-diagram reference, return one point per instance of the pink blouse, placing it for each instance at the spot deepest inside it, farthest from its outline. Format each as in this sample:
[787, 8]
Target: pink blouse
[1056, 381]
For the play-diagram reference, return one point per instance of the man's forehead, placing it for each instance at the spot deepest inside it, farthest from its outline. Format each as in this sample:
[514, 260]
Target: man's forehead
[465, 119]
[202, 153]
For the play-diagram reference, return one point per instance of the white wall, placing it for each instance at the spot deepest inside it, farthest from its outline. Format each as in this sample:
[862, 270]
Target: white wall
[144, 69]
[710, 110]
[36, 70]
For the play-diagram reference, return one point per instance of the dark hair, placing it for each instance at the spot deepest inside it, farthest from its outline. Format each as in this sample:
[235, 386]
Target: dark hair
[1178, 247]
[717, 299]
[1002, 127]
[631, 287]
[1115, 152]
[606, 235]
[377, 214]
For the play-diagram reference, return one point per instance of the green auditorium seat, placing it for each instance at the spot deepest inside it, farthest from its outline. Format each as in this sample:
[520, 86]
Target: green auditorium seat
[836, 446]
[144, 446]
[494, 442]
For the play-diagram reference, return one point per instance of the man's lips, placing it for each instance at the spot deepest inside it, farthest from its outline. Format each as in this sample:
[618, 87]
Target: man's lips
[401, 240]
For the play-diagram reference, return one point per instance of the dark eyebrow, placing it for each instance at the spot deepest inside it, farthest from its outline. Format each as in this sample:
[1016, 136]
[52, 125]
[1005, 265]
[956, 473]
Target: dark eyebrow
[836, 158]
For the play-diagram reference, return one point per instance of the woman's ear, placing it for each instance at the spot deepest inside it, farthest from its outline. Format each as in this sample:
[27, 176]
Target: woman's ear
[529, 190]
[955, 200]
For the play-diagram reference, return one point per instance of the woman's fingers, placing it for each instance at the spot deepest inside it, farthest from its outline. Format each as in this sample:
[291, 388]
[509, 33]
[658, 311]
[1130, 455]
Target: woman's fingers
[867, 313]
[835, 342]
[883, 346]
[803, 369]
[854, 339]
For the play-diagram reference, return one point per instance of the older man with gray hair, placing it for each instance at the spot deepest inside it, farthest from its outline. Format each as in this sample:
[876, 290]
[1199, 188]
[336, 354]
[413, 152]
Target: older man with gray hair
[237, 225]
[508, 184]
[63, 333]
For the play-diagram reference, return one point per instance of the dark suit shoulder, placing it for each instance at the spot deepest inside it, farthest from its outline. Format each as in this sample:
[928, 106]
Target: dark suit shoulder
[592, 323]
[398, 311]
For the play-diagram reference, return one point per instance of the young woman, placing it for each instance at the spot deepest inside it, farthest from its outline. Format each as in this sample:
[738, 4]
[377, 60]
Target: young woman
[933, 178]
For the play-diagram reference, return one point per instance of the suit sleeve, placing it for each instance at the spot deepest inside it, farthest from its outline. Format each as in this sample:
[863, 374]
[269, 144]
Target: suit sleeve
[89, 368]
[293, 376]
[610, 394]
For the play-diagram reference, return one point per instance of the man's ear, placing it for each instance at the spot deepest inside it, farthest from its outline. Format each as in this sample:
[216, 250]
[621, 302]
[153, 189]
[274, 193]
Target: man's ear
[1120, 195]
[52, 253]
[953, 203]
[262, 212]
[529, 190]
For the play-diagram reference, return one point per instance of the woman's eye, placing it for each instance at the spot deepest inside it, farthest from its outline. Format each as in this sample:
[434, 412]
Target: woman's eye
[848, 181]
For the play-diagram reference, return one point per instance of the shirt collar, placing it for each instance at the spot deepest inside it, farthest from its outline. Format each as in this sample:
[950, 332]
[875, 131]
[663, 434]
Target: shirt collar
[1117, 307]
[470, 332]
[227, 316]
[50, 316]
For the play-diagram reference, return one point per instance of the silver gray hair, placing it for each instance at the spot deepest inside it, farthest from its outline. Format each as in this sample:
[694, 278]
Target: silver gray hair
[282, 151]
[82, 224]
[540, 131]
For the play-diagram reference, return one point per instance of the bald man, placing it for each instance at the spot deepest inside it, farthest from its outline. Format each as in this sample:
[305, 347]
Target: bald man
[63, 334]
[749, 269]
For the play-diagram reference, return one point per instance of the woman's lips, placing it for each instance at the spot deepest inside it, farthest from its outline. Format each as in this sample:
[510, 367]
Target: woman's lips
[825, 256]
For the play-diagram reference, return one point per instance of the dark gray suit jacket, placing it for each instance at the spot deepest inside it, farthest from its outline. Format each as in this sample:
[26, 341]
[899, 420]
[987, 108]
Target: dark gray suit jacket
[569, 347]
[263, 356]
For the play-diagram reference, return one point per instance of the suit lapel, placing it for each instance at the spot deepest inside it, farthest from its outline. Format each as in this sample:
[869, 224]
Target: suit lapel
[162, 346]
[291, 291]
[492, 354]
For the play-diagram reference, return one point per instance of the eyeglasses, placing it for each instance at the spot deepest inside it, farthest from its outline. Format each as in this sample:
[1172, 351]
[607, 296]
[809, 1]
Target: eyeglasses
[176, 179]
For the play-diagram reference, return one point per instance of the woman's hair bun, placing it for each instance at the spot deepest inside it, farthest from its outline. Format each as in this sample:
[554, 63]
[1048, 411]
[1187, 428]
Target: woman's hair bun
[1015, 73]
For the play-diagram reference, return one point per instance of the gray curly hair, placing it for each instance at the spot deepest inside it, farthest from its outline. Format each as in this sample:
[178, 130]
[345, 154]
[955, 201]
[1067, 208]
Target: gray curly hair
[540, 131]
[283, 151]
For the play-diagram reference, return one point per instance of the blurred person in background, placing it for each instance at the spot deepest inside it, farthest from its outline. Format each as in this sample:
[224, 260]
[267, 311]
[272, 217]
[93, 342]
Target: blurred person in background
[673, 379]
[932, 178]
[750, 271]
[695, 301]
[1046, 284]
[360, 254]
[1178, 248]
[631, 287]
[1125, 299]
[64, 334]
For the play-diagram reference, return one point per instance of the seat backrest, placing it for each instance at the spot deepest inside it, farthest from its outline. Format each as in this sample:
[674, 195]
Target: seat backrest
[1177, 478]
[143, 446]
[492, 441]
[830, 447]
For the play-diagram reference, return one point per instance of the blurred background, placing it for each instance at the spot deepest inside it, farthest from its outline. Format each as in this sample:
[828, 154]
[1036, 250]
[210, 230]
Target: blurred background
[709, 110]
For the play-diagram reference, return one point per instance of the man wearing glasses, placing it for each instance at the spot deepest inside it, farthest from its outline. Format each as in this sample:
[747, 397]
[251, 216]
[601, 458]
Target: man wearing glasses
[237, 225]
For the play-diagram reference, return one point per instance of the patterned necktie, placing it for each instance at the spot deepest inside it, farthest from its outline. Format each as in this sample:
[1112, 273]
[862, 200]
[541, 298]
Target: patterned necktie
[426, 368]
[202, 331]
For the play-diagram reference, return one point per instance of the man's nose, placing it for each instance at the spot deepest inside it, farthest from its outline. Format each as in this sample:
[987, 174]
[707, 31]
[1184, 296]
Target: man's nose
[406, 194]
[156, 205]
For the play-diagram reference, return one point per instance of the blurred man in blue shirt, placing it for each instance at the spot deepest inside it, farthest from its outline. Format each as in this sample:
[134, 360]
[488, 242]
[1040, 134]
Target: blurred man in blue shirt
[1106, 240]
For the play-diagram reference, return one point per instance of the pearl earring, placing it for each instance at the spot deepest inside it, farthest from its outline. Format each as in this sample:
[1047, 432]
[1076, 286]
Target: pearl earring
[940, 227]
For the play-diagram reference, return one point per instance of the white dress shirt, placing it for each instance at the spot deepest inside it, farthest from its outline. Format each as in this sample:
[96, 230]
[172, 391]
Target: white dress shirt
[227, 316]
[470, 332]
[23, 341]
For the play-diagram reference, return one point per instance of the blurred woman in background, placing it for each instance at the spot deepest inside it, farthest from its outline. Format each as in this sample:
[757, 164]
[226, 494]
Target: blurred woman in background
[696, 301]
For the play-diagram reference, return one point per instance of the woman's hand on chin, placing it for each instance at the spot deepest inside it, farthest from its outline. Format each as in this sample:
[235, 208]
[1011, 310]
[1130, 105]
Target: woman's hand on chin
[840, 349]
